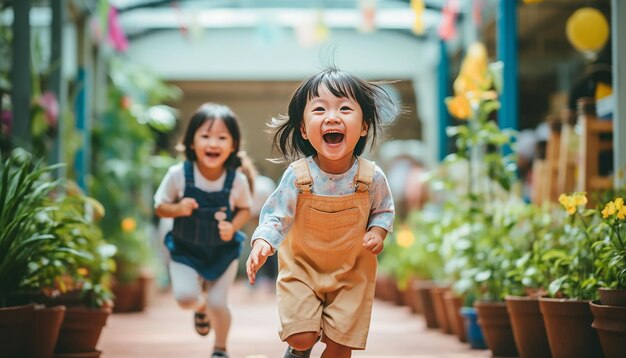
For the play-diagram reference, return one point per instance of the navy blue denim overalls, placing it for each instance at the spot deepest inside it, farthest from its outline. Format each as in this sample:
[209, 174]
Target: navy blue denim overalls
[195, 240]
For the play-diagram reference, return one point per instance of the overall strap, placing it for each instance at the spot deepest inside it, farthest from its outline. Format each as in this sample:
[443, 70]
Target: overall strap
[364, 175]
[303, 176]
[188, 169]
[230, 178]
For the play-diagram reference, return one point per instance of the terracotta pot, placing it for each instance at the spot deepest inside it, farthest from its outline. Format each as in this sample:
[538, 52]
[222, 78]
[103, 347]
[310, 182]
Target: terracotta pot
[440, 309]
[568, 326]
[410, 297]
[81, 330]
[428, 309]
[612, 297]
[610, 322]
[15, 325]
[528, 328]
[453, 304]
[94, 354]
[45, 330]
[494, 321]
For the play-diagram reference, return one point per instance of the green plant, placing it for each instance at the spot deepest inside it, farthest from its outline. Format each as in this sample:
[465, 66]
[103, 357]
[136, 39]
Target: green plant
[47, 245]
[614, 248]
[24, 190]
[577, 266]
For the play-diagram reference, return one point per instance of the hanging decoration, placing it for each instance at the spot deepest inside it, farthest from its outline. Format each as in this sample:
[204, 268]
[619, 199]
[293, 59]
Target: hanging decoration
[477, 12]
[418, 9]
[368, 15]
[116, 37]
[312, 30]
[447, 29]
[587, 30]
[182, 23]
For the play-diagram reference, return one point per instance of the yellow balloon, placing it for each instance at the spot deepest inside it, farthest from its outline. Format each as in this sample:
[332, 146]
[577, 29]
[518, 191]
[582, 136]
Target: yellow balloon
[587, 29]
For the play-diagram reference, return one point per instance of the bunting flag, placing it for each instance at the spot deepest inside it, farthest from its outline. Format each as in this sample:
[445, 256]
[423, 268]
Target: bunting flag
[116, 37]
[477, 12]
[368, 15]
[447, 29]
[418, 9]
[182, 23]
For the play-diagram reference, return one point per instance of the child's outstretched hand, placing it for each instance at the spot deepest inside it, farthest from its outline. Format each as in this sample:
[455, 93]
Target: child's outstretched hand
[373, 239]
[261, 249]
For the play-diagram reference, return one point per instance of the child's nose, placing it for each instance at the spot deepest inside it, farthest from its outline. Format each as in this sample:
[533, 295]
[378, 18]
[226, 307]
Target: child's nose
[332, 118]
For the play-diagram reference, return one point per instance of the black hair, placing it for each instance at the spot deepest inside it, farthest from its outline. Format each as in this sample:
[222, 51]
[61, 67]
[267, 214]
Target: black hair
[212, 112]
[376, 105]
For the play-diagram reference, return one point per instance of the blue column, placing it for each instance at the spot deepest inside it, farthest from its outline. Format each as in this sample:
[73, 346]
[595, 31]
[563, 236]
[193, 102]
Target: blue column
[506, 43]
[81, 163]
[442, 82]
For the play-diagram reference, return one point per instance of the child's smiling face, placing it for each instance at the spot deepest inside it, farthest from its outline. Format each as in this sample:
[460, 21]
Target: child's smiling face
[212, 144]
[333, 125]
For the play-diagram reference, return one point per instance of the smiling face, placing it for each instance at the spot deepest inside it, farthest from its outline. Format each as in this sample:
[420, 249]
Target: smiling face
[212, 145]
[333, 126]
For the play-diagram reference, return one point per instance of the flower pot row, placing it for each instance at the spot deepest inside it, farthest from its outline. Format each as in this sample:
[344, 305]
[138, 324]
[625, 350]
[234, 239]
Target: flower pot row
[42, 332]
[524, 326]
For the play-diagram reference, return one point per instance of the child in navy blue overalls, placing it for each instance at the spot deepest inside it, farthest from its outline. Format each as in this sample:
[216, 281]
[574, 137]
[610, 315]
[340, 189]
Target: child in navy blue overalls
[209, 200]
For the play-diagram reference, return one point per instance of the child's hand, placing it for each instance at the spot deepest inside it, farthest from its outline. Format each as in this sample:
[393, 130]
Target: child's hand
[373, 241]
[226, 230]
[187, 206]
[261, 249]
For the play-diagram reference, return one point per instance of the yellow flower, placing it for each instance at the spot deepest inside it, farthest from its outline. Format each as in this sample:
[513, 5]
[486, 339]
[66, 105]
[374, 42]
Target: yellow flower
[619, 203]
[459, 106]
[580, 199]
[405, 238]
[622, 213]
[474, 74]
[609, 209]
[570, 202]
[128, 225]
[82, 271]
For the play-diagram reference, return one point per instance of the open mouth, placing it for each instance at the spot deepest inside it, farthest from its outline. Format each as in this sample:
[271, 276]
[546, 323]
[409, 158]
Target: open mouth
[333, 137]
[212, 155]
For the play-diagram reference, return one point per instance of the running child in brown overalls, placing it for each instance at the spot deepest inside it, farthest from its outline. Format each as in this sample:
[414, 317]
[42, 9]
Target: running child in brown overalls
[329, 215]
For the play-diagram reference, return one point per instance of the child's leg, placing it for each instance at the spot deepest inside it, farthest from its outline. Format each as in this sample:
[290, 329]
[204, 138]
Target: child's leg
[217, 304]
[336, 350]
[302, 341]
[186, 286]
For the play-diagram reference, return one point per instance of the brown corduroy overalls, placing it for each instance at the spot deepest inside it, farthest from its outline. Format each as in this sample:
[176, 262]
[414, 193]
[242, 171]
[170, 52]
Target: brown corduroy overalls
[326, 277]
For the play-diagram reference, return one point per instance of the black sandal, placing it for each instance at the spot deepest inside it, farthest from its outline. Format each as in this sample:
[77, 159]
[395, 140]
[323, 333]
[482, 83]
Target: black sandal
[201, 322]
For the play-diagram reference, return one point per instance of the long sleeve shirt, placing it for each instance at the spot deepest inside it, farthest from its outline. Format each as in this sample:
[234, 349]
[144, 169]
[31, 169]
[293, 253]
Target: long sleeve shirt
[279, 210]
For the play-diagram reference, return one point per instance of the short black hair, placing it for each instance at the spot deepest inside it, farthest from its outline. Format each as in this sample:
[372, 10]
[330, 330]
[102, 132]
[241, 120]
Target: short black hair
[211, 112]
[376, 105]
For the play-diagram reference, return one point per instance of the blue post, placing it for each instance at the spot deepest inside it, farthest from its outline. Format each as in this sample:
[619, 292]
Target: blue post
[442, 81]
[506, 44]
[82, 154]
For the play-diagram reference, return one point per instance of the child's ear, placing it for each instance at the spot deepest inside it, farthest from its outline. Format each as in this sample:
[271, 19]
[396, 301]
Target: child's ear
[364, 129]
[303, 132]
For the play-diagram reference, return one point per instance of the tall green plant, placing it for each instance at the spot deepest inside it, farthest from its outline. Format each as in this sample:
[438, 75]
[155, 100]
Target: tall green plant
[24, 201]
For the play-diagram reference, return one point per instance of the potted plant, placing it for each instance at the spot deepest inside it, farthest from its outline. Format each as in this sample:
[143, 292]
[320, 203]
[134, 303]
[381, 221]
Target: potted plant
[610, 312]
[578, 274]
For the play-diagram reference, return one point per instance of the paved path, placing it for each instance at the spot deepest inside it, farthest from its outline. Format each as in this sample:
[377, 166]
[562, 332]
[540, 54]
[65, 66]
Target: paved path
[164, 330]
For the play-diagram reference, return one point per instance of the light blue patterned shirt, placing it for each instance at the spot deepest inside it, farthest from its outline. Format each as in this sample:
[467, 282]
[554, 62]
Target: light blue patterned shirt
[277, 214]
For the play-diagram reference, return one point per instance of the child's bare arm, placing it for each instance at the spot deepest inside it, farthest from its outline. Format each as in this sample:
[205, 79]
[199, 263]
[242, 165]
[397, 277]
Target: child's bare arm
[373, 239]
[184, 207]
[261, 249]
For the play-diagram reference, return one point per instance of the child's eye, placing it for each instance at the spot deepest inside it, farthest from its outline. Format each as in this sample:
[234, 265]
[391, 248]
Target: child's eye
[223, 137]
[346, 108]
[205, 136]
[318, 109]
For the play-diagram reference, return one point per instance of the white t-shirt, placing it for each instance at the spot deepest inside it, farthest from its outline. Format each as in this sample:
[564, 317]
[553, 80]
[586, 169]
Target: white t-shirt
[172, 187]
